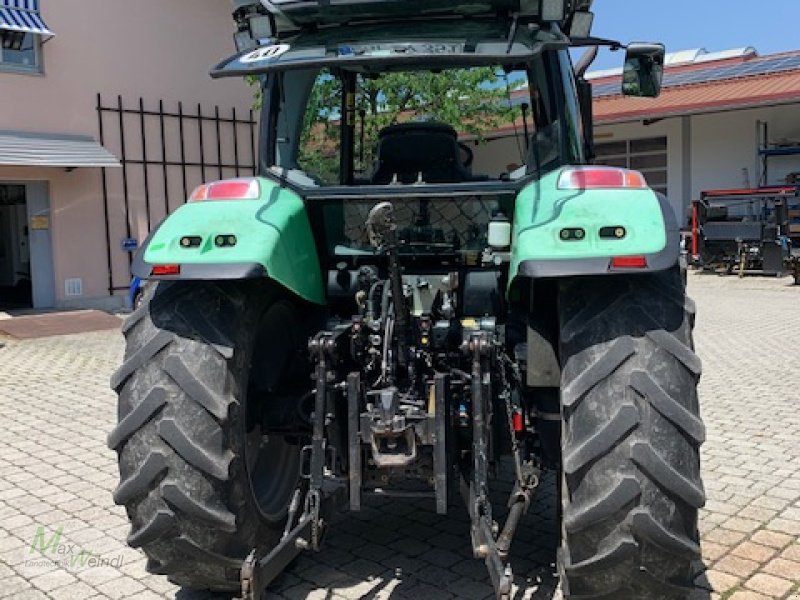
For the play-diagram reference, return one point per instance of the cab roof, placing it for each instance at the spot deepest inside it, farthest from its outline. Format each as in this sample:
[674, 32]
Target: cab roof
[431, 43]
[296, 14]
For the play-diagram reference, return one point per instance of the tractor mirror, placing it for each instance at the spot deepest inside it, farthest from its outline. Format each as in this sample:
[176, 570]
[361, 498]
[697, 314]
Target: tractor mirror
[644, 70]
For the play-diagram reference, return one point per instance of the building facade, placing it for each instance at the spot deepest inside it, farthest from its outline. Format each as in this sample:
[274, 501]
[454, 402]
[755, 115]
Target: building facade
[108, 119]
[725, 120]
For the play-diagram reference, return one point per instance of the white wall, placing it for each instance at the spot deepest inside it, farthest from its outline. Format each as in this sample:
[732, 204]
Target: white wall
[724, 144]
[493, 157]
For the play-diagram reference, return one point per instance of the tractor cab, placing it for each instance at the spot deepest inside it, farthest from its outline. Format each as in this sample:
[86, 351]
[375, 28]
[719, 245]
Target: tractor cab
[404, 93]
[410, 103]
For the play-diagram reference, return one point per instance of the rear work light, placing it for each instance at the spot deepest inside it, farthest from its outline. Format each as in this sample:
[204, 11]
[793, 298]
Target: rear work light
[629, 262]
[162, 270]
[229, 189]
[601, 178]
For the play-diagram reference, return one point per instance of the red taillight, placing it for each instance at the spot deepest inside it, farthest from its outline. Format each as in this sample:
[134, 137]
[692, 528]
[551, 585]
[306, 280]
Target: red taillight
[629, 262]
[161, 270]
[600, 178]
[519, 422]
[230, 189]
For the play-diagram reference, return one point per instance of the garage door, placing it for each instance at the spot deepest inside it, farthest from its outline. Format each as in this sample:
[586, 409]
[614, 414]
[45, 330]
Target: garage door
[648, 155]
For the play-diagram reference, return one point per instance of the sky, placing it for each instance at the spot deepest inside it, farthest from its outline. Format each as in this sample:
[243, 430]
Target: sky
[768, 25]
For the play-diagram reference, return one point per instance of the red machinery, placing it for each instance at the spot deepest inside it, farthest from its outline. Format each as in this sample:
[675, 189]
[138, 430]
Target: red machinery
[749, 230]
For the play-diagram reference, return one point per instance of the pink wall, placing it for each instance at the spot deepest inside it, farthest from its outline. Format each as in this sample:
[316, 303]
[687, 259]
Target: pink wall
[149, 48]
[144, 48]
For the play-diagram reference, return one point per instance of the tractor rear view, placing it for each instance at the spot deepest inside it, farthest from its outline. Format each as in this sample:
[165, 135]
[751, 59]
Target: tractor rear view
[403, 297]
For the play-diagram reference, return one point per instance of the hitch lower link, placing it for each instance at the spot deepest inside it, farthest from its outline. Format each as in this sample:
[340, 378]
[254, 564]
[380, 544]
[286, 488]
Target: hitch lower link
[260, 569]
[488, 541]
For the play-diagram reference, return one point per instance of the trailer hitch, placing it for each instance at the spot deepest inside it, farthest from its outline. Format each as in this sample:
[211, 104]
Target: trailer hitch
[319, 494]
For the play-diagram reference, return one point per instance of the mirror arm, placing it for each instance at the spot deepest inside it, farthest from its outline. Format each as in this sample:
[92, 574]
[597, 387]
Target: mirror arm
[586, 61]
[612, 45]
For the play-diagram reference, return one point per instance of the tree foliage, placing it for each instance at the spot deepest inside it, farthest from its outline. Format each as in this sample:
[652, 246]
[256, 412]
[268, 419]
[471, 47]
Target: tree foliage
[474, 101]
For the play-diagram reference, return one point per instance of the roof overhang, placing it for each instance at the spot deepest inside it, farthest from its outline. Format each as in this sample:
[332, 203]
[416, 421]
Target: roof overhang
[736, 94]
[24, 149]
[639, 116]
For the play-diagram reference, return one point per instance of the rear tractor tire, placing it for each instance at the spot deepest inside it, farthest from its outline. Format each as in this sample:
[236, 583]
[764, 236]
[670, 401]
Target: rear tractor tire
[631, 438]
[200, 484]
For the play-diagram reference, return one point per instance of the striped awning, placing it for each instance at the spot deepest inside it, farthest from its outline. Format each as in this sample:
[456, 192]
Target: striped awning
[25, 149]
[22, 15]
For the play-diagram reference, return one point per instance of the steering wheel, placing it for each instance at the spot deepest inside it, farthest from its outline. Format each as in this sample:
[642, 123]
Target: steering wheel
[470, 154]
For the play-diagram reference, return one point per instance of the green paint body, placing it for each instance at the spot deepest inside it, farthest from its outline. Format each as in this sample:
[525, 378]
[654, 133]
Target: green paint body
[542, 211]
[272, 231]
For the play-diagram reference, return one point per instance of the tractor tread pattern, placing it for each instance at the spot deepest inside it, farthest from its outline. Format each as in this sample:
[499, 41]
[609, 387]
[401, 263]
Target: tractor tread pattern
[135, 419]
[180, 500]
[631, 439]
[577, 323]
[135, 317]
[618, 353]
[192, 385]
[625, 492]
[135, 362]
[213, 465]
[668, 478]
[166, 297]
[646, 527]
[160, 526]
[208, 332]
[670, 408]
[679, 350]
[599, 444]
[140, 481]
[622, 550]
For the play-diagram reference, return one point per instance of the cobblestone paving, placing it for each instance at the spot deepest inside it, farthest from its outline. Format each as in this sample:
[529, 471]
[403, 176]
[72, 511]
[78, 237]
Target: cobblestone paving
[56, 475]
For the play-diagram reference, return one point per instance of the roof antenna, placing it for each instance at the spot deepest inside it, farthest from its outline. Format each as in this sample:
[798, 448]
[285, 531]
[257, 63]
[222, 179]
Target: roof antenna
[512, 33]
[524, 107]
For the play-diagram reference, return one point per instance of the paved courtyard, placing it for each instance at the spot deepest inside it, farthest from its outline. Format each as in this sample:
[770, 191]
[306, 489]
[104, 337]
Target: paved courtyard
[56, 477]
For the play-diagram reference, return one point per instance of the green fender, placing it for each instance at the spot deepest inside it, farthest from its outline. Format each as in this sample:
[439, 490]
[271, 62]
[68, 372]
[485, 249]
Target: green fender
[273, 239]
[542, 212]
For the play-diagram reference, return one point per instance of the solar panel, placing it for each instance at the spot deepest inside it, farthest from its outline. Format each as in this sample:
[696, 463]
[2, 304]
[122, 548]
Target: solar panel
[710, 74]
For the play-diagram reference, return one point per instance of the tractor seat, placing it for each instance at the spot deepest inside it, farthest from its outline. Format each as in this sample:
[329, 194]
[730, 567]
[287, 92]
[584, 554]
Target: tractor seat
[408, 149]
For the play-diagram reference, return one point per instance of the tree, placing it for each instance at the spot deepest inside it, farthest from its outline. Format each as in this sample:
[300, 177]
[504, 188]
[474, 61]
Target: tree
[474, 101]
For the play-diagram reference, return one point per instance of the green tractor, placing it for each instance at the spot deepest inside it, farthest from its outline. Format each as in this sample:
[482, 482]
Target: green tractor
[395, 305]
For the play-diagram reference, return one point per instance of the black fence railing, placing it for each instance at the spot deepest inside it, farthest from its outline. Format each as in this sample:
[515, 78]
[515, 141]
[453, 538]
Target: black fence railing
[164, 155]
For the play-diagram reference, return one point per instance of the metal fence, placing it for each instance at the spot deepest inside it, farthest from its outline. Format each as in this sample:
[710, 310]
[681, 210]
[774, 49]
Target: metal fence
[165, 152]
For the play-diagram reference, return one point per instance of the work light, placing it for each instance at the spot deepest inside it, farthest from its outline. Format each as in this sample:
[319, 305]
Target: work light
[553, 10]
[546, 10]
[581, 26]
[253, 29]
